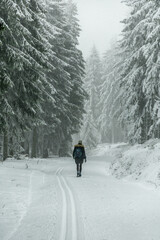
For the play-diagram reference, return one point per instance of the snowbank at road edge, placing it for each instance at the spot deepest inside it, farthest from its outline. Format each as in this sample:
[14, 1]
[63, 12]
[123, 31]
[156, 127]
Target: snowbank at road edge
[138, 162]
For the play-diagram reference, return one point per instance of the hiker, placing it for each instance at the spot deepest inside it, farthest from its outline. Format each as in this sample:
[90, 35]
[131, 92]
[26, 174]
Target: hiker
[79, 155]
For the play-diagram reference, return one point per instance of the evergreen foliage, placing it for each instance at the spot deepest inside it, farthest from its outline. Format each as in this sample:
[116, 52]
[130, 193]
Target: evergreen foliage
[140, 76]
[109, 126]
[40, 73]
[42, 96]
[90, 132]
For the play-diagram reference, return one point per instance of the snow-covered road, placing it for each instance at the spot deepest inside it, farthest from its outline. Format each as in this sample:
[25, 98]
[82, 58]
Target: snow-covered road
[46, 201]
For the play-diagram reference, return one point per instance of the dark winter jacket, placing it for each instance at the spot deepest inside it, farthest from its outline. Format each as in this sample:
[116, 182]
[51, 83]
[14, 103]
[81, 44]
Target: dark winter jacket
[83, 152]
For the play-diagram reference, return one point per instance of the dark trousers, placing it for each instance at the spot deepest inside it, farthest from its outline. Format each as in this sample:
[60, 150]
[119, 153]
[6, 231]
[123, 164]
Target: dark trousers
[79, 165]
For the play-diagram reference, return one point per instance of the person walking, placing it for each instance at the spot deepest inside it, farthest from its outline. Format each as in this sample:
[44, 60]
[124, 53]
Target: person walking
[79, 155]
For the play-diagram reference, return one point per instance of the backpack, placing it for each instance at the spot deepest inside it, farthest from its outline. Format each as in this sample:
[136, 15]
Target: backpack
[78, 153]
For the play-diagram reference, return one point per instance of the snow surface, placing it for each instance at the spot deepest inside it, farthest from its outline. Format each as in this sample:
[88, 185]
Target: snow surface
[42, 199]
[140, 162]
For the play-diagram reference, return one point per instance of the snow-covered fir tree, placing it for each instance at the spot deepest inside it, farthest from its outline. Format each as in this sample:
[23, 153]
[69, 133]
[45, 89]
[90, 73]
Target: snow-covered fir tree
[23, 56]
[76, 69]
[41, 67]
[110, 108]
[65, 115]
[140, 77]
[90, 131]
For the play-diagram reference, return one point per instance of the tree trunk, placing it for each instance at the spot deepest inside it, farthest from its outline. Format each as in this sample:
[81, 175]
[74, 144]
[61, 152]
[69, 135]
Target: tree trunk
[11, 150]
[34, 143]
[26, 146]
[113, 132]
[45, 147]
[5, 145]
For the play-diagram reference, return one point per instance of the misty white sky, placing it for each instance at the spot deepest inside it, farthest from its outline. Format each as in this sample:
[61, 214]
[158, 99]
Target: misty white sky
[100, 23]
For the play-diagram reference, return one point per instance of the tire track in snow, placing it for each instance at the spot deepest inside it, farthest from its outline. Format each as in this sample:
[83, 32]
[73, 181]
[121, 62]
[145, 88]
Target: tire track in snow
[67, 193]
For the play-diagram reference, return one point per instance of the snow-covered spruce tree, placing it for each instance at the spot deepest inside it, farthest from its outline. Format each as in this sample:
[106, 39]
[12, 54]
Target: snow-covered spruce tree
[92, 82]
[11, 58]
[151, 85]
[108, 119]
[140, 77]
[89, 132]
[52, 134]
[76, 69]
[65, 113]
[23, 60]
[41, 32]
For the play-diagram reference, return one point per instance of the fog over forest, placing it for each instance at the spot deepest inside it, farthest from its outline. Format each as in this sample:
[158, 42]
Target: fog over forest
[100, 23]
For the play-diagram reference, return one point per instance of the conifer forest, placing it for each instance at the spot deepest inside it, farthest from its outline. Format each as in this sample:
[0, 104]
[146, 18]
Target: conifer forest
[49, 92]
